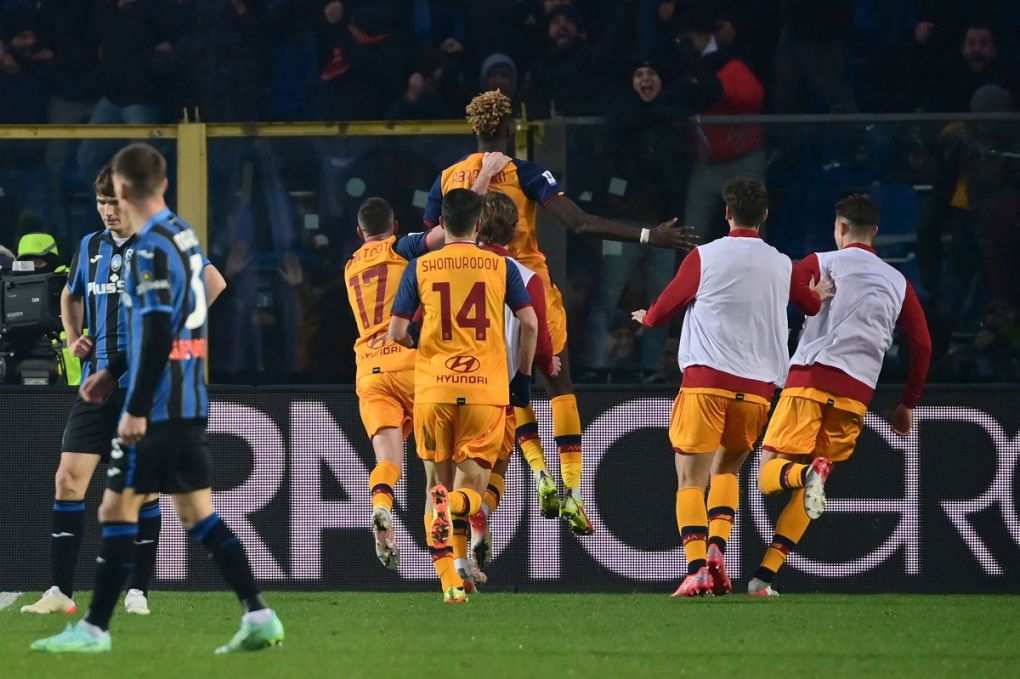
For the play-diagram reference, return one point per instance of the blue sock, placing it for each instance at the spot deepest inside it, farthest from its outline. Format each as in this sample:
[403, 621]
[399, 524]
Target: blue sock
[150, 520]
[230, 558]
[114, 565]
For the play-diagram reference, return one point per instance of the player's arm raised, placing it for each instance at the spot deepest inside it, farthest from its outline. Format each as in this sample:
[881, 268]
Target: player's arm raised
[913, 327]
[665, 235]
[404, 307]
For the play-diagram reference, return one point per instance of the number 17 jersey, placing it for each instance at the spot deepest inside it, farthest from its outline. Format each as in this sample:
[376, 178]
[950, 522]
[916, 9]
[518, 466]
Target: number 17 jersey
[372, 276]
[165, 274]
[463, 291]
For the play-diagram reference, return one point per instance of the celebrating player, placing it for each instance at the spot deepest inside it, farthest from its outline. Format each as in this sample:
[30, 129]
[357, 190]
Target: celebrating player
[462, 387]
[92, 299]
[385, 379]
[529, 185]
[733, 353]
[496, 230]
[161, 444]
[833, 375]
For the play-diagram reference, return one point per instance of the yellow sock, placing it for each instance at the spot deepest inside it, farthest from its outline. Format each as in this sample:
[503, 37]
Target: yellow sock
[778, 475]
[567, 429]
[723, 498]
[527, 439]
[459, 540]
[381, 483]
[442, 560]
[790, 529]
[464, 502]
[494, 492]
[692, 520]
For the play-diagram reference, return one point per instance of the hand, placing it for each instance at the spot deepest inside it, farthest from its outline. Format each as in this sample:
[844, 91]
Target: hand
[520, 390]
[164, 47]
[131, 429]
[97, 387]
[450, 46]
[237, 259]
[291, 270]
[493, 162]
[82, 347]
[669, 235]
[824, 287]
[554, 367]
[923, 32]
[334, 11]
[639, 316]
[415, 87]
[901, 419]
[42, 55]
[725, 33]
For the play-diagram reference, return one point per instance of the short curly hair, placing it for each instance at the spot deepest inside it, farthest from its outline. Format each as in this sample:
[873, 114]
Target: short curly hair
[499, 219]
[489, 114]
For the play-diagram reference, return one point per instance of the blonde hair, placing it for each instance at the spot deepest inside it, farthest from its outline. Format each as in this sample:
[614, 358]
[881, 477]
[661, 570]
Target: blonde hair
[487, 112]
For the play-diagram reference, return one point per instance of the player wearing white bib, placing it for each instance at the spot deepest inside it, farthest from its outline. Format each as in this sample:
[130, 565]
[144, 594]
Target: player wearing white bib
[733, 351]
[833, 375]
[498, 227]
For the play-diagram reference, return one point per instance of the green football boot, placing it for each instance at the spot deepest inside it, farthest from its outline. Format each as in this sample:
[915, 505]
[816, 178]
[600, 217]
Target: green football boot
[254, 636]
[74, 639]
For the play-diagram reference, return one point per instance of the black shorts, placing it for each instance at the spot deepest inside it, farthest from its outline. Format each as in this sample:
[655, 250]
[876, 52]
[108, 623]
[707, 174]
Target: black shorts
[91, 427]
[172, 458]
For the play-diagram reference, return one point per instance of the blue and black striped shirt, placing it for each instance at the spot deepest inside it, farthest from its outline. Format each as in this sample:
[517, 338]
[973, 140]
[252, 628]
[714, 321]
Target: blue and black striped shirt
[166, 275]
[97, 276]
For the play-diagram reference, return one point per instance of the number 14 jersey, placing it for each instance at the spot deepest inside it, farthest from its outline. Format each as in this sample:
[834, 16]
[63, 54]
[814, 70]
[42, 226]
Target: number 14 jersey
[463, 291]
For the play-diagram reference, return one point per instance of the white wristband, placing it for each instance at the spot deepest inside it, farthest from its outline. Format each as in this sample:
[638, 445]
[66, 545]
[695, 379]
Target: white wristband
[645, 235]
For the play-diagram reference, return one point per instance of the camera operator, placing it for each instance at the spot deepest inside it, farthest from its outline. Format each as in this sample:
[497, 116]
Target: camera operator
[29, 349]
[717, 84]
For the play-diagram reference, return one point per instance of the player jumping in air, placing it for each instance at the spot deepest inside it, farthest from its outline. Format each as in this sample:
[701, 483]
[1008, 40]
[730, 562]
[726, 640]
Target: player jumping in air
[833, 375]
[462, 388]
[385, 379]
[733, 353]
[91, 300]
[529, 185]
[161, 444]
[498, 225]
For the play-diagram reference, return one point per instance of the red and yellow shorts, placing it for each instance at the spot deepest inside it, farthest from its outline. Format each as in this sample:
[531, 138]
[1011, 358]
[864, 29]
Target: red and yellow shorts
[813, 422]
[386, 400]
[445, 431]
[705, 420]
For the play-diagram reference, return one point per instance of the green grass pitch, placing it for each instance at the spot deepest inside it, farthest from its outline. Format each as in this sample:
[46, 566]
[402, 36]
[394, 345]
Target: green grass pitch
[338, 634]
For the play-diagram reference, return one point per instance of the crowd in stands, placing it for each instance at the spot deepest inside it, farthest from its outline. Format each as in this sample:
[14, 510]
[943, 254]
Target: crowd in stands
[280, 214]
[144, 61]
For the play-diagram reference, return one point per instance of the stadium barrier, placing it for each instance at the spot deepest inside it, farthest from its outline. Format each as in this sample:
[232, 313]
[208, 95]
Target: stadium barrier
[935, 512]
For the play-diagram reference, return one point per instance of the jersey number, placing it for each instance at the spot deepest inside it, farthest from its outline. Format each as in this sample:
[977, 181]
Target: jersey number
[376, 273]
[196, 319]
[471, 314]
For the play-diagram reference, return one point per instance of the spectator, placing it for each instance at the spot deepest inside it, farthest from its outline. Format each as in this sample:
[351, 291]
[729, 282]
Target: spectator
[717, 84]
[749, 30]
[130, 34]
[25, 66]
[499, 72]
[215, 62]
[364, 66]
[72, 98]
[812, 50]
[422, 100]
[568, 78]
[645, 177]
[976, 64]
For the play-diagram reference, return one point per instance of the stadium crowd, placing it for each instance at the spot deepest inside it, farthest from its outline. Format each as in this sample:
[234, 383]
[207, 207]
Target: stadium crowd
[281, 213]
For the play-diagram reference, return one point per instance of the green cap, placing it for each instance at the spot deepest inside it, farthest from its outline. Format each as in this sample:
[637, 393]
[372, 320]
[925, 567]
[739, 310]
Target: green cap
[37, 245]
